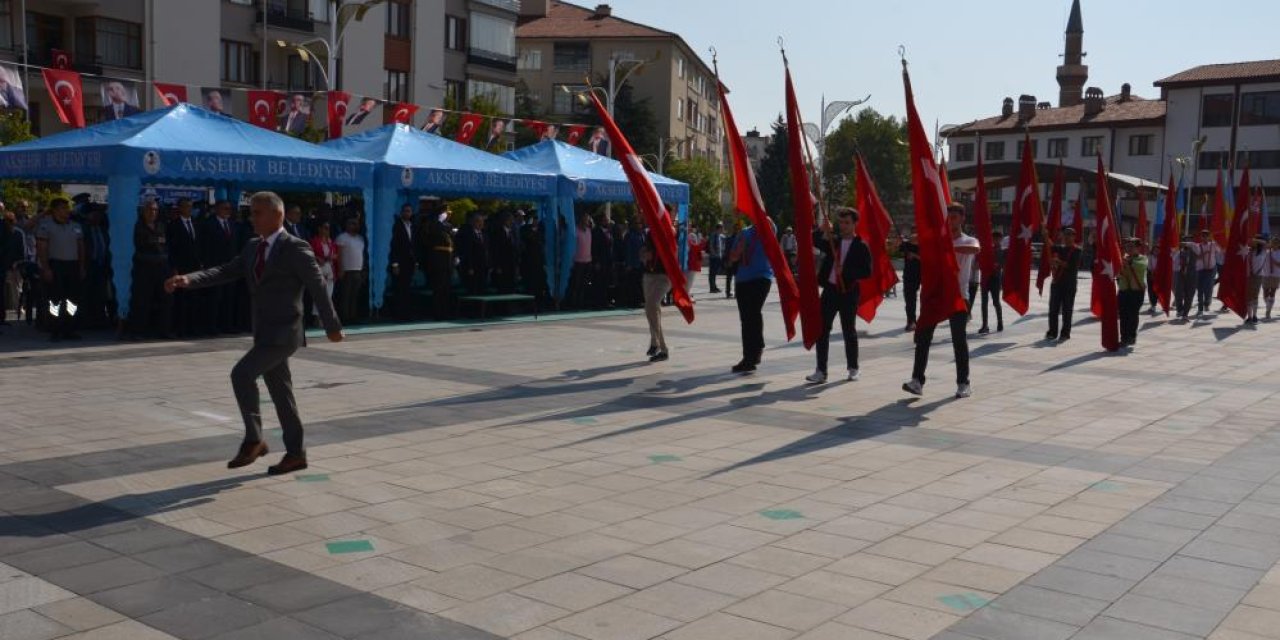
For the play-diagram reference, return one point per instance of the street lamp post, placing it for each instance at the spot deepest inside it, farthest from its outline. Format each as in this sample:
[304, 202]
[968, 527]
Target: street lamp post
[818, 133]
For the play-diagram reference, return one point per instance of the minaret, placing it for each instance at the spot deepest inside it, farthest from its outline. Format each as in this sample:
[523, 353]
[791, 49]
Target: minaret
[1073, 73]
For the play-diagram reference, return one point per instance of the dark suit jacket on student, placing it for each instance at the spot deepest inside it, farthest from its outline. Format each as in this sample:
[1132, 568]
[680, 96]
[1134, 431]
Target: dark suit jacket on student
[277, 297]
[403, 252]
[857, 262]
[184, 250]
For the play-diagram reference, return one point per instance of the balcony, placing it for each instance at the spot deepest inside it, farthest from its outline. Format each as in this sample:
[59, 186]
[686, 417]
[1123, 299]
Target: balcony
[293, 18]
[506, 5]
[491, 60]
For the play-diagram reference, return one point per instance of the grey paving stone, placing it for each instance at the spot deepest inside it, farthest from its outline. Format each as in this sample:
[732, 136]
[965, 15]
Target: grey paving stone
[1203, 487]
[995, 624]
[1218, 573]
[189, 556]
[357, 615]
[1147, 530]
[100, 576]
[1082, 583]
[1190, 592]
[145, 539]
[1123, 545]
[1164, 614]
[1105, 628]
[1172, 518]
[242, 573]
[1108, 564]
[29, 625]
[1192, 505]
[1051, 605]
[296, 594]
[278, 629]
[1230, 554]
[62, 556]
[18, 537]
[207, 617]
[137, 600]
[423, 627]
[1268, 541]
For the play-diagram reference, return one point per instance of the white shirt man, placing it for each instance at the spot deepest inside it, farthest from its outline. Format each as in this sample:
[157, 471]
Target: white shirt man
[350, 251]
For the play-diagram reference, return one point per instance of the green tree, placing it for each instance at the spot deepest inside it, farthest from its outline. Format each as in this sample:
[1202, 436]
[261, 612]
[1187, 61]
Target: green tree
[774, 177]
[15, 128]
[882, 141]
[705, 182]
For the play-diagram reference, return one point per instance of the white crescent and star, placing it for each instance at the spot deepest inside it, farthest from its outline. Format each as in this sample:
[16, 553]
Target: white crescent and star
[262, 109]
[171, 99]
[1025, 234]
[402, 115]
[71, 91]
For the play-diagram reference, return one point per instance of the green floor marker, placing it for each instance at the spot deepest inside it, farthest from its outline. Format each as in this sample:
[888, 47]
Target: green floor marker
[584, 420]
[964, 601]
[663, 457]
[349, 546]
[1107, 485]
[782, 514]
[315, 477]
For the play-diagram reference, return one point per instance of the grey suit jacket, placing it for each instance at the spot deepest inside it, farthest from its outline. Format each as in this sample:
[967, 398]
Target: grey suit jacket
[277, 297]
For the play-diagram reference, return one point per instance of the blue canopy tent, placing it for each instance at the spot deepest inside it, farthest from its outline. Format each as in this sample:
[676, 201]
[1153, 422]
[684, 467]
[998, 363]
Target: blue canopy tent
[590, 177]
[179, 145]
[410, 162]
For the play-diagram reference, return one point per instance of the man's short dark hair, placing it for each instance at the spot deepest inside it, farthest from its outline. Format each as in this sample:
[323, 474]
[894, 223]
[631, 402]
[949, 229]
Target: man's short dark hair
[997, 234]
[956, 208]
[847, 212]
[1069, 230]
[59, 202]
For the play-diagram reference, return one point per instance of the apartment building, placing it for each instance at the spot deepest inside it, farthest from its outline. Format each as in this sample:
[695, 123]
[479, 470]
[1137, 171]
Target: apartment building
[398, 50]
[561, 44]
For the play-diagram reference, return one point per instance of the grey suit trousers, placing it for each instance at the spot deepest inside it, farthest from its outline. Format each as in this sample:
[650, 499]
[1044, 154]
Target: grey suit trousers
[271, 363]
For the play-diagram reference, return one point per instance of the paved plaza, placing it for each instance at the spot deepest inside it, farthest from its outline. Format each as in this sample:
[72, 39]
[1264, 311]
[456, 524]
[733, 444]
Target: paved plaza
[542, 481]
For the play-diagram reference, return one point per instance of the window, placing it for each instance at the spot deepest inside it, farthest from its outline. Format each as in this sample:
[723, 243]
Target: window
[1266, 159]
[244, 2]
[1035, 149]
[455, 33]
[454, 92]
[6, 24]
[1210, 160]
[530, 60]
[1140, 145]
[1216, 110]
[963, 152]
[1090, 146]
[396, 88]
[239, 62]
[502, 95]
[319, 9]
[994, 151]
[993, 194]
[680, 66]
[302, 74]
[572, 56]
[1058, 148]
[398, 22]
[565, 99]
[680, 109]
[493, 34]
[110, 42]
[1262, 107]
[44, 32]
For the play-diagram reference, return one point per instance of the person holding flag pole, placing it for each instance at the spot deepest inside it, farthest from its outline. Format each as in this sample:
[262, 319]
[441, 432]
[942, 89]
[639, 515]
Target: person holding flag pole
[946, 255]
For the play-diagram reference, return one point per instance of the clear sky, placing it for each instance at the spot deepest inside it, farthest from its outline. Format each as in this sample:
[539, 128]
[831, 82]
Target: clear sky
[965, 56]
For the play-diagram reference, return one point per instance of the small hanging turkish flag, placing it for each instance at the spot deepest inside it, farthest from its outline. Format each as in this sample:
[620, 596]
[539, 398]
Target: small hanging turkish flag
[468, 125]
[338, 103]
[68, 99]
[403, 113]
[171, 94]
[575, 134]
[60, 59]
[538, 127]
[262, 108]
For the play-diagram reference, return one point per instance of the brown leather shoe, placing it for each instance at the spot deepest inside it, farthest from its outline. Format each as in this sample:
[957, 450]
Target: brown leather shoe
[249, 452]
[288, 464]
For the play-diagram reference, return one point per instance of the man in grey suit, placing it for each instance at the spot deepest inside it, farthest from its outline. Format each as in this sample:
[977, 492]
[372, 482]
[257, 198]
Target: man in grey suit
[278, 267]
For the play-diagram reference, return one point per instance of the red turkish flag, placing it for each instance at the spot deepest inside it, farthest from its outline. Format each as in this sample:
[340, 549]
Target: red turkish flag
[1052, 227]
[1233, 279]
[803, 203]
[1106, 264]
[262, 108]
[1218, 226]
[940, 296]
[1077, 214]
[946, 181]
[575, 134]
[171, 94]
[68, 99]
[403, 112]
[1167, 252]
[873, 227]
[468, 126]
[655, 213]
[338, 102]
[538, 127]
[982, 224]
[59, 59]
[1142, 227]
[1027, 215]
[747, 201]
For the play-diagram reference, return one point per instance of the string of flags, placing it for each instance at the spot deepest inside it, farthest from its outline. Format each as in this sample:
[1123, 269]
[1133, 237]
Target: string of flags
[291, 113]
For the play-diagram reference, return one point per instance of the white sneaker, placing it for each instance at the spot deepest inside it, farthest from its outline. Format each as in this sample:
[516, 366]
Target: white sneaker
[964, 391]
[817, 377]
[913, 386]
[853, 375]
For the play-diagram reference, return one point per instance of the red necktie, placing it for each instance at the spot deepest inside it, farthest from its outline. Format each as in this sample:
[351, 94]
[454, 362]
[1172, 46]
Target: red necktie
[261, 265]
